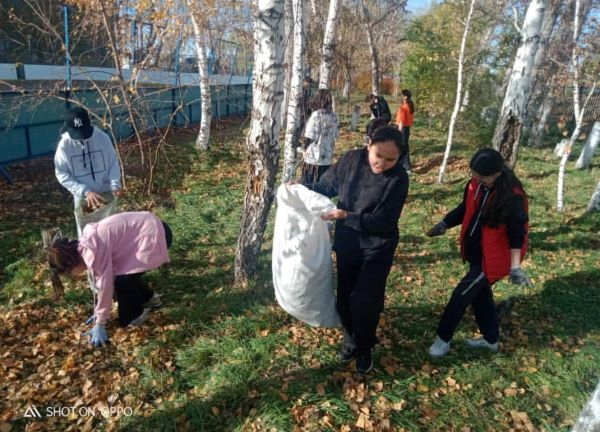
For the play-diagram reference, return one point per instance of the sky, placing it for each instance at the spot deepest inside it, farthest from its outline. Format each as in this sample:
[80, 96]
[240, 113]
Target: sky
[418, 6]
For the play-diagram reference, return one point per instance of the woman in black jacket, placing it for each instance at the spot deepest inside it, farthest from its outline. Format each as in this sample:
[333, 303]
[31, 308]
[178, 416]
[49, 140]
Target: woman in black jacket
[371, 187]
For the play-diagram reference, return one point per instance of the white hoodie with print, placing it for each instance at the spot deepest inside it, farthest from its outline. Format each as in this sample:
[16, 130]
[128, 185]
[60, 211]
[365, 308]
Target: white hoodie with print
[91, 165]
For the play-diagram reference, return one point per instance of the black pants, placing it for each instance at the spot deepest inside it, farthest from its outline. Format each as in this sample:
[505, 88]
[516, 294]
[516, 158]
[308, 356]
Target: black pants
[131, 293]
[406, 159]
[376, 123]
[360, 295]
[475, 290]
[312, 173]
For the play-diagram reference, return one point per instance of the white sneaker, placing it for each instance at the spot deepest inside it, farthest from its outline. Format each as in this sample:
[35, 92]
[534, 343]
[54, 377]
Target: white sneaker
[482, 343]
[439, 348]
[141, 319]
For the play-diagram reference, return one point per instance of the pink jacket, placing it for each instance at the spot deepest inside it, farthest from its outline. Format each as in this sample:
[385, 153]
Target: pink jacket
[121, 244]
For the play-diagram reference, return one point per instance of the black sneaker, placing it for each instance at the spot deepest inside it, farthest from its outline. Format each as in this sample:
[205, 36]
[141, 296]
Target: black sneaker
[346, 354]
[364, 361]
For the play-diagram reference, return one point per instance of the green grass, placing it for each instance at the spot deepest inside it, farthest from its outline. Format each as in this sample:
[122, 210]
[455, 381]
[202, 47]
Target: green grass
[240, 363]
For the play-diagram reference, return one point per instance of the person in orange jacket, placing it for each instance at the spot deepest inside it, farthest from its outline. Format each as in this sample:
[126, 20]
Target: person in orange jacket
[493, 240]
[404, 120]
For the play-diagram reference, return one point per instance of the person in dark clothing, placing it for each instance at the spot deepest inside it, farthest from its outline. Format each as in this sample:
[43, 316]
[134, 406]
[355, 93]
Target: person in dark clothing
[381, 113]
[493, 240]
[371, 187]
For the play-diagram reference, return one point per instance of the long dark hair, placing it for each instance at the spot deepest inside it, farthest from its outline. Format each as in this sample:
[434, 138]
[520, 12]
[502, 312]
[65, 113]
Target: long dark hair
[409, 100]
[63, 255]
[322, 100]
[497, 210]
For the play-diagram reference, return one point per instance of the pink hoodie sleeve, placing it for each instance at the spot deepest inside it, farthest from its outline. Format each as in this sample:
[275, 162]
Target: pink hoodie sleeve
[99, 262]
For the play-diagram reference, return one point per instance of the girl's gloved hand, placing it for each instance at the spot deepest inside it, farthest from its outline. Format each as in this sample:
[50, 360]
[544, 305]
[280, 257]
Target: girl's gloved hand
[98, 335]
[519, 277]
[437, 230]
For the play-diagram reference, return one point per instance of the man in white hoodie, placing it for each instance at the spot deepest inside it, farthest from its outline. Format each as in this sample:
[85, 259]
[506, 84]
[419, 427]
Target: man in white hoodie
[86, 164]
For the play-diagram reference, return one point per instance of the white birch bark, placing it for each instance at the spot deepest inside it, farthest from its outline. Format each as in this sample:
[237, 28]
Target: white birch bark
[262, 140]
[461, 61]
[292, 132]
[539, 84]
[578, 111]
[347, 83]
[289, 57]
[372, 48]
[589, 419]
[560, 204]
[329, 45]
[356, 110]
[201, 42]
[510, 122]
[585, 158]
[594, 204]
[539, 128]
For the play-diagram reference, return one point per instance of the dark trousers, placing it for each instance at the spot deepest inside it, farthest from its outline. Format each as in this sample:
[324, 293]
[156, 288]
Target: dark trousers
[360, 295]
[475, 290]
[312, 173]
[406, 159]
[131, 293]
[376, 123]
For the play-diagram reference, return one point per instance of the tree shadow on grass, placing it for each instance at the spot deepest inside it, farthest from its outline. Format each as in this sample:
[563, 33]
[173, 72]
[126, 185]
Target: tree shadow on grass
[585, 238]
[567, 307]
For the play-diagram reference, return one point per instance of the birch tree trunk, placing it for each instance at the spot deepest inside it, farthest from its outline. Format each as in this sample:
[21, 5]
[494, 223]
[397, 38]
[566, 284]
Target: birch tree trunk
[461, 61]
[594, 204]
[347, 82]
[201, 42]
[539, 85]
[578, 111]
[294, 125]
[585, 158]
[560, 205]
[589, 419]
[372, 48]
[262, 140]
[329, 45]
[542, 118]
[510, 123]
[289, 57]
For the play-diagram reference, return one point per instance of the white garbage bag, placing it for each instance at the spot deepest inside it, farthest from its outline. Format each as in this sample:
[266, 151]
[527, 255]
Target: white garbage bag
[302, 268]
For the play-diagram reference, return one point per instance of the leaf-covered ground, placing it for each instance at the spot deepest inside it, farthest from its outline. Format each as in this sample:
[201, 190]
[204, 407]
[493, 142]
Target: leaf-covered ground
[217, 357]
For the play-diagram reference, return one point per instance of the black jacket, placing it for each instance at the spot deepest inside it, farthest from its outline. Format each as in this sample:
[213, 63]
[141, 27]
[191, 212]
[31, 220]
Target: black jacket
[373, 202]
[381, 109]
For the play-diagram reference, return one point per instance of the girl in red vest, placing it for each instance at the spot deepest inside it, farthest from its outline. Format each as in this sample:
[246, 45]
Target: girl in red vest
[493, 240]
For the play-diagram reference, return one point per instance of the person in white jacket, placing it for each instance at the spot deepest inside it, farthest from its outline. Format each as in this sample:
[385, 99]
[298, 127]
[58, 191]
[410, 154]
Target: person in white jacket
[86, 164]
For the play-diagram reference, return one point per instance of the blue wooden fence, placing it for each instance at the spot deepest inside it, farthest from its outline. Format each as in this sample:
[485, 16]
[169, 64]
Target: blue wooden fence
[30, 124]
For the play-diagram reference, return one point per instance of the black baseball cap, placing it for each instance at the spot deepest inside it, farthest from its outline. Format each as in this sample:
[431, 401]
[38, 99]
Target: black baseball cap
[77, 123]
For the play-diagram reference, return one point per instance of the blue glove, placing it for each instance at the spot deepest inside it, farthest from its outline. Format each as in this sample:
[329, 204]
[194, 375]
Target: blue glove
[98, 335]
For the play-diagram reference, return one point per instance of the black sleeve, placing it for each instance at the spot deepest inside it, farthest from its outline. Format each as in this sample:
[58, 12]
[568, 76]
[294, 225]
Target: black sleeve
[517, 218]
[456, 216]
[385, 110]
[383, 220]
[328, 182]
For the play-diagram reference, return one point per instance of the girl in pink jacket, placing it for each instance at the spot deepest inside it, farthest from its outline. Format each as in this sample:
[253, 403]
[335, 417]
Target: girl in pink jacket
[117, 251]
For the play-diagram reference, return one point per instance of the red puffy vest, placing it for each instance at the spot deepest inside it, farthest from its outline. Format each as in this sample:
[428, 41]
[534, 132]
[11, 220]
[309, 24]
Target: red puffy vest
[494, 241]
